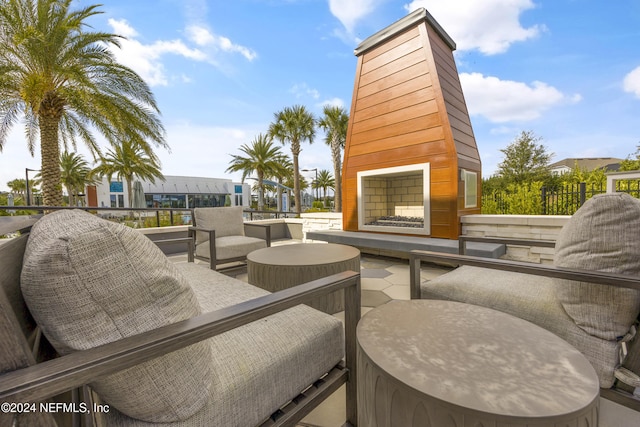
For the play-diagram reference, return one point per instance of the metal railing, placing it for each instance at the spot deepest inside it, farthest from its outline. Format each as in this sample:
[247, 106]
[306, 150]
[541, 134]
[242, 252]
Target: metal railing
[565, 200]
[143, 217]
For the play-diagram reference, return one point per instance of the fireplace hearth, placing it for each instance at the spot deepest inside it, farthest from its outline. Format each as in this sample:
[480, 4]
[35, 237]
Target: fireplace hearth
[399, 221]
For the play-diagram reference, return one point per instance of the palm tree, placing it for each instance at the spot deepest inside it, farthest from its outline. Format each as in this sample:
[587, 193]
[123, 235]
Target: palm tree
[283, 173]
[325, 180]
[334, 122]
[294, 125]
[65, 81]
[261, 157]
[18, 187]
[128, 161]
[75, 174]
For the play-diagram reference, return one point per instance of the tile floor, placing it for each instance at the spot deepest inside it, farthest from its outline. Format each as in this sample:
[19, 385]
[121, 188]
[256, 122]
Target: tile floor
[383, 279]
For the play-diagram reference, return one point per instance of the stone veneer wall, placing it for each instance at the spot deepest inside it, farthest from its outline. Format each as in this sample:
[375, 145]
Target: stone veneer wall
[320, 221]
[398, 195]
[537, 227]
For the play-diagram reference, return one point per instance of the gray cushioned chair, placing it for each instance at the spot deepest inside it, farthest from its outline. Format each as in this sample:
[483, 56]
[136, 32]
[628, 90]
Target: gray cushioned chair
[600, 247]
[106, 298]
[221, 236]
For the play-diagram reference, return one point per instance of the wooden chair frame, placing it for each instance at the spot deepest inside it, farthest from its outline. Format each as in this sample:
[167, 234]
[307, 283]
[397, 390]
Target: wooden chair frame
[51, 377]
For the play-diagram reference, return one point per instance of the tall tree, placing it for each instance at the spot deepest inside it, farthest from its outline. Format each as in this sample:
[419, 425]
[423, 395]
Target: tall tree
[334, 122]
[75, 174]
[261, 157]
[294, 125]
[18, 187]
[525, 160]
[325, 181]
[283, 173]
[66, 82]
[631, 163]
[126, 162]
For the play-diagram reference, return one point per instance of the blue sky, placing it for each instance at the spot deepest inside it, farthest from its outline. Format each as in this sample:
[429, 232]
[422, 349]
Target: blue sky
[568, 70]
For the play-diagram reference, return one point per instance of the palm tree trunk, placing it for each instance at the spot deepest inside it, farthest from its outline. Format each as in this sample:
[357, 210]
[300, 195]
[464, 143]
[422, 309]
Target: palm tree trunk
[260, 190]
[50, 152]
[296, 184]
[337, 173]
[279, 196]
[130, 189]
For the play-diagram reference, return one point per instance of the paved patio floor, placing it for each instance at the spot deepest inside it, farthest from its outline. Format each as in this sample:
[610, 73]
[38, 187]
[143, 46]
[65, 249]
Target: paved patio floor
[383, 279]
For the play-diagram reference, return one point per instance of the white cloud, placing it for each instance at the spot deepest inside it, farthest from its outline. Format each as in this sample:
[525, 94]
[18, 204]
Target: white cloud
[504, 100]
[349, 12]
[631, 82]
[122, 28]
[146, 59]
[333, 102]
[205, 38]
[302, 89]
[489, 26]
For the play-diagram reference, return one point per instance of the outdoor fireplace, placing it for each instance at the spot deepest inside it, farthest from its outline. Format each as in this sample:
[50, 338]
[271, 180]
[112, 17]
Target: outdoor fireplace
[394, 199]
[411, 164]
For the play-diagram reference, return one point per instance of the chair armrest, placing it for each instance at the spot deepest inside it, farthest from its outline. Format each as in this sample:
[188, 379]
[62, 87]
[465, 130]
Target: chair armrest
[599, 277]
[462, 242]
[194, 228]
[262, 231]
[41, 381]
[212, 244]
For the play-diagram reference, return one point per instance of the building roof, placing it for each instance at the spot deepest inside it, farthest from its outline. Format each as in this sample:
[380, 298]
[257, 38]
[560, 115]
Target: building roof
[588, 163]
[188, 185]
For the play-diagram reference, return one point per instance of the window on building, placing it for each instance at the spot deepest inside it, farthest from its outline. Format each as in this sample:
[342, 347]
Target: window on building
[116, 187]
[470, 189]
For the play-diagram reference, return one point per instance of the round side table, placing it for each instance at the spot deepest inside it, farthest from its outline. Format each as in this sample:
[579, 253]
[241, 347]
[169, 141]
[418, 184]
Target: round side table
[443, 363]
[281, 267]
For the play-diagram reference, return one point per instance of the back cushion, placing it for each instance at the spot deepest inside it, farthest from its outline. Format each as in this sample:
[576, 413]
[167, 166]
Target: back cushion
[226, 221]
[88, 282]
[603, 235]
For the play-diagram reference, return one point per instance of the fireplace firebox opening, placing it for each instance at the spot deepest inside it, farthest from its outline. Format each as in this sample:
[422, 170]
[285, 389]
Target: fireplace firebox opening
[394, 200]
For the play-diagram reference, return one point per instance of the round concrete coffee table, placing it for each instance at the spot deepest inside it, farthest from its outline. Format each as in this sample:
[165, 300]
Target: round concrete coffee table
[281, 267]
[443, 363]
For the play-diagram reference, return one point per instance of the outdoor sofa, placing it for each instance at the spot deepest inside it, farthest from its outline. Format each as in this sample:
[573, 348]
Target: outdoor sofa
[590, 297]
[95, 307]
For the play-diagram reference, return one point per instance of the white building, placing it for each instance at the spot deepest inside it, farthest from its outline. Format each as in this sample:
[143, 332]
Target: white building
[586, 164]
[174, 192]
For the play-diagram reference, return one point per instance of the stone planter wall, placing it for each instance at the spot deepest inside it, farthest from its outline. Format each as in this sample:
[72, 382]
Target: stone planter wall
[538, 227]
[320, 221]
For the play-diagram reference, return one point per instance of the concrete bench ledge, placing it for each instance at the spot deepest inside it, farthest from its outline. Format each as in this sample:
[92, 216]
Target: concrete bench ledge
[392, 242]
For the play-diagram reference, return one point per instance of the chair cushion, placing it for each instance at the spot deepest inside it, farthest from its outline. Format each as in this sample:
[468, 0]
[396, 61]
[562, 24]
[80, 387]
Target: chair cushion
[603, 235]
[532, 298]
[260, 366]
[231, 247]
[227, 221]
[89, 282]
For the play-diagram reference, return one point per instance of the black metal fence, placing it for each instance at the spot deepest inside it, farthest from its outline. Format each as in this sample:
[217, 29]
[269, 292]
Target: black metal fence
[559, 201]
